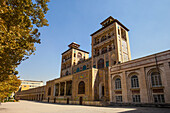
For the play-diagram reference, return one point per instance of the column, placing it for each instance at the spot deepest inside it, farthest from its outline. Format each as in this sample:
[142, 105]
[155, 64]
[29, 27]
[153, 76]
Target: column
[166, 81]
[143, 86]
[59, 90]
[54, 91]
[124, 88]
[110, 84]
[38, 97]
[93, 84]
[65, 88]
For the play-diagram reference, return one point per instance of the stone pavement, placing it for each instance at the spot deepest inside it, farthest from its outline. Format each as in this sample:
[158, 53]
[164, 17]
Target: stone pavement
[36, 107]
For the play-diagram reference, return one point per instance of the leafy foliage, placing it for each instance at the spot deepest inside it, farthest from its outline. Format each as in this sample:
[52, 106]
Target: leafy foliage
[8, 86]
[19, 23]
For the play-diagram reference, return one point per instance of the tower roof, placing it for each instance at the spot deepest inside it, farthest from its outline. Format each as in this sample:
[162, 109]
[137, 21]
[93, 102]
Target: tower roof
[74, 45]
[107, 21]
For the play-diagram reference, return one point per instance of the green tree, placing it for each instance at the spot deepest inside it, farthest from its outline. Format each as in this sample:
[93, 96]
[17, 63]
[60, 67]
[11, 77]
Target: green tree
[8, 86]
[19, 23]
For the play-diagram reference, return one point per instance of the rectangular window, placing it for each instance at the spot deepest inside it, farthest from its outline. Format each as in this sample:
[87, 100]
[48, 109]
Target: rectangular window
[107, 63]
[159, 98]
[118, 98]
[136, 98]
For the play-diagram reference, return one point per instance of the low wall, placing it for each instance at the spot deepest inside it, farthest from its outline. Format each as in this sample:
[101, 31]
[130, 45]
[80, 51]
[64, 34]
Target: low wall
[92, 103]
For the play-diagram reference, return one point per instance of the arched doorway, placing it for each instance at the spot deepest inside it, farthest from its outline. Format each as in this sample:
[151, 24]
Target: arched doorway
[67, 73]
[101, 90]
[67, 100]
[48, 99]
[81, 100]
[49, 91]
[54, 100]
[100, 63]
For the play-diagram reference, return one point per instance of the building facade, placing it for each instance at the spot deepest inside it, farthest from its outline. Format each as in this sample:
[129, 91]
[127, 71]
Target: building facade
[109, 75]
[37, 94]
[28, 84]
[143, 80]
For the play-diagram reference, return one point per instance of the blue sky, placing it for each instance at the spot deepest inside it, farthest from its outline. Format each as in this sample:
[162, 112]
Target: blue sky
[74, 21]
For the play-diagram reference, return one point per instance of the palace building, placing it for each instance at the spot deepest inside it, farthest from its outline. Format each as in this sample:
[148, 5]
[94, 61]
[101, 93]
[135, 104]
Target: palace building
[109, 75]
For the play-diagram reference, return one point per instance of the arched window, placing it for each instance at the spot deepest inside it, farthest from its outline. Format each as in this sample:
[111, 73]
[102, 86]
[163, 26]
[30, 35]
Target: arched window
[67, 73]
[64, 66]
[77, 70]
[118, 83]
[100, 64]
[49, 91]
[96, 52]
[79, 55]
[103, 38]
[81, 88]
[134, 82]
[96, 41]
[109, 35]
[104, 50]
[84, 67]
[156, 79]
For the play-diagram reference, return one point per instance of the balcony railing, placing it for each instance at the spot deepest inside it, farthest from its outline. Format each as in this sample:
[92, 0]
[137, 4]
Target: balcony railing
[64, 60]
[103, 52]
[96, 43]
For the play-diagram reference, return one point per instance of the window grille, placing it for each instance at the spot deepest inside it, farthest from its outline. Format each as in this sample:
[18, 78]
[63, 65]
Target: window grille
[136, 98]
[159, 98]
[118, 98]
[118, 83]
[134, 82]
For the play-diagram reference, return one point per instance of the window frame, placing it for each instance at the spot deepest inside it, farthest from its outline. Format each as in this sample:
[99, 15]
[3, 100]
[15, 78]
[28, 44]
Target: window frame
[136, 98]
[118, 98]
[160, 98]
[134, 81]
[118, 85]
[156, 79]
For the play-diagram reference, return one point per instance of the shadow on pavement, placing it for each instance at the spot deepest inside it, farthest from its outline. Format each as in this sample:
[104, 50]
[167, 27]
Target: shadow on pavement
[132, 109]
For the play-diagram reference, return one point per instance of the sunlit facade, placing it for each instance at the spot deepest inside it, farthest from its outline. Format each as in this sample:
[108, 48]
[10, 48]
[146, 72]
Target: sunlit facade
[109, 75]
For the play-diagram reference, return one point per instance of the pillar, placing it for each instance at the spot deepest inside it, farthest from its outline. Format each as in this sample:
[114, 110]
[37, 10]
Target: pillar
[166, 81]
[110, 84]
[59, 90]
[143, 86]
[65, 88]
[124, 88]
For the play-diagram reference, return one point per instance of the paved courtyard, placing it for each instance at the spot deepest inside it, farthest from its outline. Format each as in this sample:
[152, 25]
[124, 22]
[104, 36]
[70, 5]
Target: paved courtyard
[36, 107]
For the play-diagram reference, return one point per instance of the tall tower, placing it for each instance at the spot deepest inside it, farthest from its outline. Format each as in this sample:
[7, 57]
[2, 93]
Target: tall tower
[72, 57]
[110, 44]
